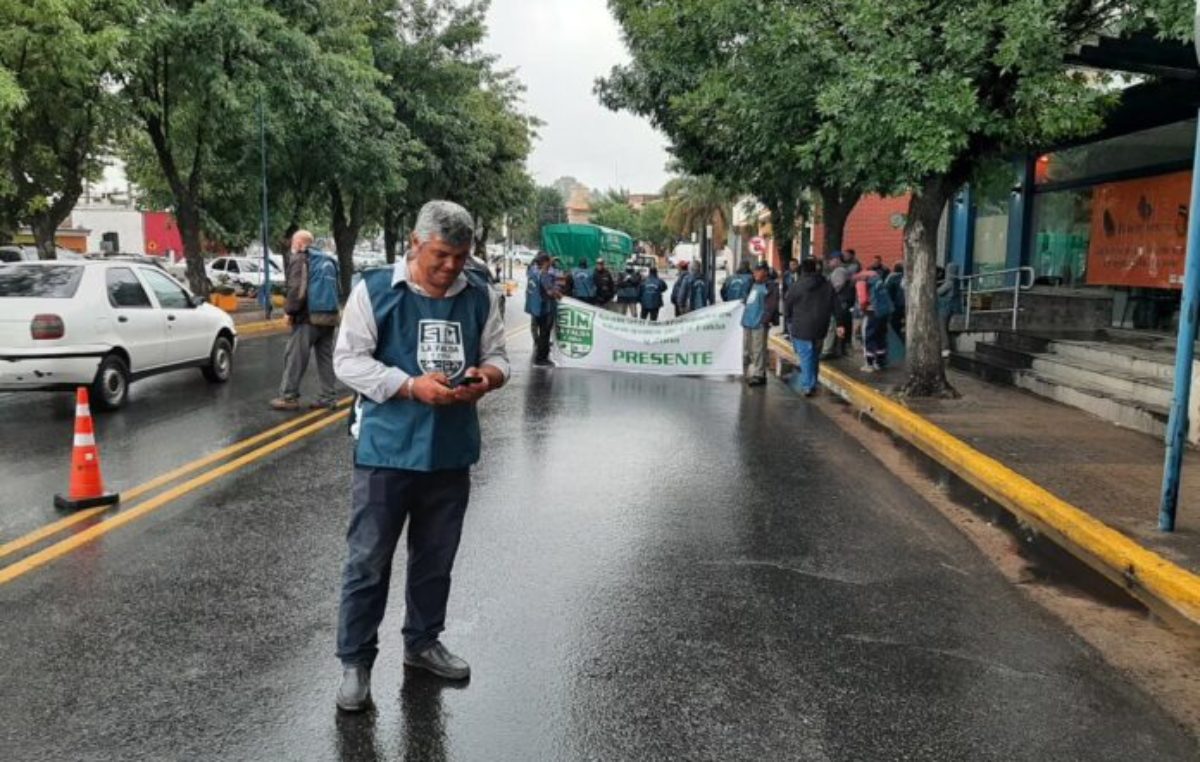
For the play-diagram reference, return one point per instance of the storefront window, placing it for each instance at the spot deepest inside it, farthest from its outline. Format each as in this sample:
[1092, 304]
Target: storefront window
[1157, 147]
[1062, 223]
[993, 199]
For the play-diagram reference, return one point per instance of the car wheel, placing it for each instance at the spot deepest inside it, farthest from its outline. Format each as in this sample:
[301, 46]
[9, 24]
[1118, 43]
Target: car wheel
[220, 361]
[110, 390]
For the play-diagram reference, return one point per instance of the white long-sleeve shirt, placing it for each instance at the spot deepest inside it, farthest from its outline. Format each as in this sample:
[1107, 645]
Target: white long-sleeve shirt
[354, 356]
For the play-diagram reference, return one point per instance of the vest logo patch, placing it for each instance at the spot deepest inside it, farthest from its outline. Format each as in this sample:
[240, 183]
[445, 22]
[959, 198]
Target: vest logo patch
[440, 348]
[574, 331]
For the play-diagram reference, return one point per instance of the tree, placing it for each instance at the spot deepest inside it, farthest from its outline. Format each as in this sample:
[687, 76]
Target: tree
[611, 210]
[191, 78]
[55, 60]
[692, 203]
[544, 207]
[652, 226]
[736, 92]
[924, 94]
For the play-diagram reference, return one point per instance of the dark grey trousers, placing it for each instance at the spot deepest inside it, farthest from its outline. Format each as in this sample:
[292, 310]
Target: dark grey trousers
[305, 339]
[433, 503]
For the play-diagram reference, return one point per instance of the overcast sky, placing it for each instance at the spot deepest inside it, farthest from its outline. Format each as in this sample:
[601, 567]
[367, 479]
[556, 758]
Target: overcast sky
[559, 47]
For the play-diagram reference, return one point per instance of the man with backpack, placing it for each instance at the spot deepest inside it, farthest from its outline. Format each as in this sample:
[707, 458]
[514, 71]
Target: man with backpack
[311, 308]
[876, 307]
[700, 291]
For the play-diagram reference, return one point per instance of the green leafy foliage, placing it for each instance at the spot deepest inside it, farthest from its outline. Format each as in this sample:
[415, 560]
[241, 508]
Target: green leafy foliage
[56, 109]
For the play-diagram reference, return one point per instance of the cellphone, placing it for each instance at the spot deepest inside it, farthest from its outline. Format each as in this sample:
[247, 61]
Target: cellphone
[471, 381]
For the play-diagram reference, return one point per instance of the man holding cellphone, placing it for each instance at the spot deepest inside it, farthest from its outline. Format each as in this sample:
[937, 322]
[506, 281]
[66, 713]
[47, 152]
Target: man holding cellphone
[421, 345]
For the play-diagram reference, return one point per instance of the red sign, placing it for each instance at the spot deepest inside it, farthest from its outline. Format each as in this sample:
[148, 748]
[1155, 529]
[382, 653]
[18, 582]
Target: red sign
[1139, 232]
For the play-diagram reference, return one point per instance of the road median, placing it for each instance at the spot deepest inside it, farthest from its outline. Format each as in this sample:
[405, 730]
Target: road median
[1165, 587]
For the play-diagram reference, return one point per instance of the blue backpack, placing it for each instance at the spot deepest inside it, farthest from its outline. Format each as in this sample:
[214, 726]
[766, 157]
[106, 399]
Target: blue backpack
[585, 287]
[322, 282]
[881, 301]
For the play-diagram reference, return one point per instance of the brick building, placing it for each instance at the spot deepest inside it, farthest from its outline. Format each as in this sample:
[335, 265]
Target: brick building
[874, 227]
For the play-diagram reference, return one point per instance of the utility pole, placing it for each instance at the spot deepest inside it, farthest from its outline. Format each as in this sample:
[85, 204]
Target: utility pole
[264, 293]
[1185, 346]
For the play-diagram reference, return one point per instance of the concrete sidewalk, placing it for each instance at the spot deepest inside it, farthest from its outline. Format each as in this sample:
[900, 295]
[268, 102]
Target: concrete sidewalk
[1114, 474]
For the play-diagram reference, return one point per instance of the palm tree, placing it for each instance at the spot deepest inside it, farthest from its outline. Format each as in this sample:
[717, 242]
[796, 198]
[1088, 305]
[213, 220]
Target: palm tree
[694, 201]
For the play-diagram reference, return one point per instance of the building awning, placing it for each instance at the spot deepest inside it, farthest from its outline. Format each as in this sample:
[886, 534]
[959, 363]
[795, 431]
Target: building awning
[1140, 53]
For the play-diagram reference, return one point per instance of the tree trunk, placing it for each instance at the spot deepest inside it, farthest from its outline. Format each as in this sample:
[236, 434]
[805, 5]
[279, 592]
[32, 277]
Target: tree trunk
[346, 226]
[187, 217]
[481, 242]
[391, 234]
[926, 369]
[43, 237]
[45, 224]
[836, 205]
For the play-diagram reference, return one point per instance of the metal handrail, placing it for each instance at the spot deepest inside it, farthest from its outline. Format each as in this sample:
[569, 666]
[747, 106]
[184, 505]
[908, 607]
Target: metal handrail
[1018, 286]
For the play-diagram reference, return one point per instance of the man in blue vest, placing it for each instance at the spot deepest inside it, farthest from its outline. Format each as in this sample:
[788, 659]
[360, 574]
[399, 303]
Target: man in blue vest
[584, 285]
[761, 305]
[548, 295]
[421, 344]
[533, 298]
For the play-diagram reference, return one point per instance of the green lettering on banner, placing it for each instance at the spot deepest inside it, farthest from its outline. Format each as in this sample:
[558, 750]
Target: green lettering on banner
[663, 359]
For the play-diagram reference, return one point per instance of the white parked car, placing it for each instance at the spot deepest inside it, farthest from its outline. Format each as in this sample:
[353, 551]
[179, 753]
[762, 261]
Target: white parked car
[104, 324]
[243, 273]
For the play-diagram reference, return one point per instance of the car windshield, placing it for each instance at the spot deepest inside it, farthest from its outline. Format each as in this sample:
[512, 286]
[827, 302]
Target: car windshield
[47, 282]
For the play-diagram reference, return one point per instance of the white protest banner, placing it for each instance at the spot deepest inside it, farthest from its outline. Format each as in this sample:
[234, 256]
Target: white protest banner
[706, 342]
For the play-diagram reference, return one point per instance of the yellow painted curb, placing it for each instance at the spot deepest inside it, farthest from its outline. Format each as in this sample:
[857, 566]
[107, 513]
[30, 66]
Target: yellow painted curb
[1156, 581]
[260, 327]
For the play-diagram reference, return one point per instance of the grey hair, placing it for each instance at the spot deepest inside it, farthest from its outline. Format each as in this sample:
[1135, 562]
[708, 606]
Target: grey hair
[445, 220]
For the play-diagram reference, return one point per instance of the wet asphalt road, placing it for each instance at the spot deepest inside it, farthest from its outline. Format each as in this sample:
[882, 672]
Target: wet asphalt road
[169, 420]
[651, 569]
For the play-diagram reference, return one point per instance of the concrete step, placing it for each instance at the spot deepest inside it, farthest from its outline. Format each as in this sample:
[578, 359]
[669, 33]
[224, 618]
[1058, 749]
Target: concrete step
[1013, 358]
[1149, 389]
[1070, 370]
[1023, 342]
[1136, 361]
[1138, 415]
[987, 368]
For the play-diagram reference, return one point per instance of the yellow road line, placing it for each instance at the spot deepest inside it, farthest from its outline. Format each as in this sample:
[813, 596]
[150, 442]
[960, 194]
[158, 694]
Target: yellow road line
[62, 547]
[54, 528]
[1153, 579]
[40, 534]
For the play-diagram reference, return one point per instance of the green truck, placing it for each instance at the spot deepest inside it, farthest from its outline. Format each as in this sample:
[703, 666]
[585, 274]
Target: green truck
[573, 243]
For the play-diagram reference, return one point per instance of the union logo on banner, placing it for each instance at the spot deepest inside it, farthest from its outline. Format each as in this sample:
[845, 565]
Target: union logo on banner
[575, 331]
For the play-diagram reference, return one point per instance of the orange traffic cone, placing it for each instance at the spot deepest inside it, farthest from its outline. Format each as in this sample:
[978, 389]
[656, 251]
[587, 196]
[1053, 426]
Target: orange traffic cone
[87, 485]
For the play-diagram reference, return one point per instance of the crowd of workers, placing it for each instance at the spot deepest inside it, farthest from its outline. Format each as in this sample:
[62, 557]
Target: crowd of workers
[823, 306]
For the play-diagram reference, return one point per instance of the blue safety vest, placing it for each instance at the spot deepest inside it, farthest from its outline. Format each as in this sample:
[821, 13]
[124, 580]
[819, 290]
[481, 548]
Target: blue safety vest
[737, 287]
[533, 293]
[756, 306]
[585, 287]
[652, 293]
[699, 296]
[419, 334]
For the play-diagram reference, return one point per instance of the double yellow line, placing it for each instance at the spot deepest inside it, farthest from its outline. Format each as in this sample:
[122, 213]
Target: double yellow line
[275, 439]
[304, 425]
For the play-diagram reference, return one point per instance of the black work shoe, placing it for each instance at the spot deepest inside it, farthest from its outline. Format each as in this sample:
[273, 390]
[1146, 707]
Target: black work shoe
[438, 660]
[354, 695]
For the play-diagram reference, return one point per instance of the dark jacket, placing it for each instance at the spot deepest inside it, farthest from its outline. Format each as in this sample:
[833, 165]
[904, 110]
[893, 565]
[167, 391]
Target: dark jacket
[605, 285]
[808, 306]
[296, 302]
